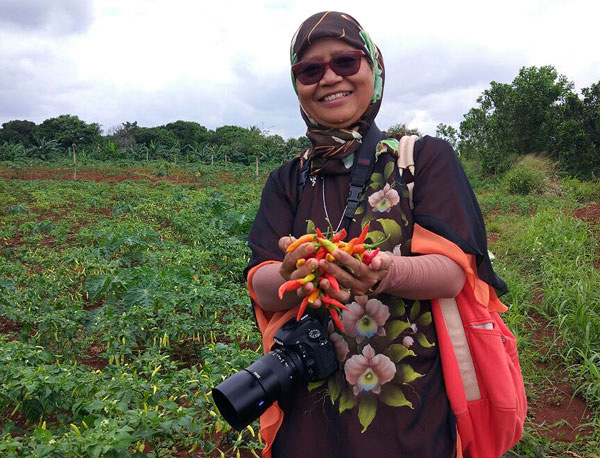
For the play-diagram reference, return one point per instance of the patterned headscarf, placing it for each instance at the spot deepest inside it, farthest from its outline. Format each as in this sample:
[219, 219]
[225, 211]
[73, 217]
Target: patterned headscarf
[333, 150]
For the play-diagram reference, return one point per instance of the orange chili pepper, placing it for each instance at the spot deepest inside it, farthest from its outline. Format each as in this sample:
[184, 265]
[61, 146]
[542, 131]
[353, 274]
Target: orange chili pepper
[312, 297]
[358, 249]
[330, 257]
[304, 239]
[300, 262]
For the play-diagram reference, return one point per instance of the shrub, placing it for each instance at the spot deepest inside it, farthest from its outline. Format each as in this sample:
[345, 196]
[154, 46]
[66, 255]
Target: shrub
[528, 176]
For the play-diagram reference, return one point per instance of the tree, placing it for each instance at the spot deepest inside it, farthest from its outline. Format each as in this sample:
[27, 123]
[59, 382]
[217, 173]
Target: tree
[18, 132]
[515, 119]
[188, 132]
[402, 129]
[448, 133]
[69, 130]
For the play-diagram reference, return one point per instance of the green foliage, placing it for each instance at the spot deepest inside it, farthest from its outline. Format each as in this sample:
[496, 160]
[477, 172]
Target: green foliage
[69, 130]
[402, 129]
[528, 175]
[16, 131]
[537, 113]
[448, 133]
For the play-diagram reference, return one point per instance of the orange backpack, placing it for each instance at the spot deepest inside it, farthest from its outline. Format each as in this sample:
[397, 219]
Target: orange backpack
[478, 352]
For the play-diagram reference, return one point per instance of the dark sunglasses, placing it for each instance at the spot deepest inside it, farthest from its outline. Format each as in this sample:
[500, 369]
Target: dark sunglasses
[343, 64]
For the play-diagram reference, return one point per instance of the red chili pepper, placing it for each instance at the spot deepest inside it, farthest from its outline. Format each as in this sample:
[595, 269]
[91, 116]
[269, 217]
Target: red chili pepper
[339, 236]
[368, 257]
[319, 233]
[332, 301]
[333, 282]
[304, 239]
[302, 308]
[336, 318]
[294, 284]
[363, 234]
[321, 252]
[290, 285]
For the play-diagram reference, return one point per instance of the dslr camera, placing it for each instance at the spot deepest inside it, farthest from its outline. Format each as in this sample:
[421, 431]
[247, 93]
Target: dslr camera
[302, 350]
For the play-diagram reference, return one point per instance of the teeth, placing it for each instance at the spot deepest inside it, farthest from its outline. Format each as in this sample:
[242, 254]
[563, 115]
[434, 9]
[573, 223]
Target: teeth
[335, 96]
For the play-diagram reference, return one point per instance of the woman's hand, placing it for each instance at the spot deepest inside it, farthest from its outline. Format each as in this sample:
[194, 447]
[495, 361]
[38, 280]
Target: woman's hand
[288, 268]
[357, 277]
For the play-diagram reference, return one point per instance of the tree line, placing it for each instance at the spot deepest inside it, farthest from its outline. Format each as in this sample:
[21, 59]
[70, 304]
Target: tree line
[183, 141]
[538, 112]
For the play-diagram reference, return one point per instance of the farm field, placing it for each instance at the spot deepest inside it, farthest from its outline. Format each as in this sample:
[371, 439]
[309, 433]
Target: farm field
[122, 303]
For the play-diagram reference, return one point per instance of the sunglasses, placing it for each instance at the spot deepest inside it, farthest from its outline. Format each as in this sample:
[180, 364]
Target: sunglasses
[343, 64]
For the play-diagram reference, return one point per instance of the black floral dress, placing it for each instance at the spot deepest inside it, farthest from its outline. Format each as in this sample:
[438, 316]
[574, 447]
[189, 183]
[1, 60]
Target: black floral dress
[389, 397]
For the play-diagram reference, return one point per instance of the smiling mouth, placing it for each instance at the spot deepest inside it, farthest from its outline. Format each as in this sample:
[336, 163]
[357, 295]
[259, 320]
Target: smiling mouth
[337, 95]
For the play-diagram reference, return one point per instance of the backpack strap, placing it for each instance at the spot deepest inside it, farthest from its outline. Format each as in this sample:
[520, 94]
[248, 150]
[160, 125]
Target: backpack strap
[406, 162]
[364, 161]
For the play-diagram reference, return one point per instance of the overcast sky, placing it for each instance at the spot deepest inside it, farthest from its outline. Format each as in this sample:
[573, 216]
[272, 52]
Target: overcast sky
[227, 62]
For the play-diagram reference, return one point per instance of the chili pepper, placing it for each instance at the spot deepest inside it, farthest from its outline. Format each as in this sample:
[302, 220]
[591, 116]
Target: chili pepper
[350, 245]
[368, 257]
[333, 282]
[300, 262]
[358, 249]
[312, 297]
[302, 308]
[319, 233]
[321, 252]
[304, 239]
[339, 236]
[363, 234]
[330, 257]
[327, 244]
[291, 285]
[370, 246]
[336, 318]
[332, 301]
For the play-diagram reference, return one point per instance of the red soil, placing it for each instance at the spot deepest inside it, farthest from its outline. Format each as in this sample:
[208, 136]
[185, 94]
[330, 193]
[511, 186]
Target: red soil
[591, 213]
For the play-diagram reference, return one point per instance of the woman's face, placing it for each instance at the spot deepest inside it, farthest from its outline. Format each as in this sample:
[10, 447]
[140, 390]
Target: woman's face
[335, 101]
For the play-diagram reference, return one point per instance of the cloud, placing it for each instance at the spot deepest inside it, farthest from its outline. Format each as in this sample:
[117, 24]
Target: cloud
[59, 17]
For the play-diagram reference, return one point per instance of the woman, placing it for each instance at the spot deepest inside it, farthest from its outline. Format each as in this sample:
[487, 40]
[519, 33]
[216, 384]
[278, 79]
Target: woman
[389, 399]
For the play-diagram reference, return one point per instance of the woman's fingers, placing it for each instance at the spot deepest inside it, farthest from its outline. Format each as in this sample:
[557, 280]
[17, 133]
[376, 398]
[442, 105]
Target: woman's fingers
[288, 265]
[342, 295]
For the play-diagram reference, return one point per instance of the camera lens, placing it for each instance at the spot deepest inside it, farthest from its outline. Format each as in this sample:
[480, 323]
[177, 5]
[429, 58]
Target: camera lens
[246, 395]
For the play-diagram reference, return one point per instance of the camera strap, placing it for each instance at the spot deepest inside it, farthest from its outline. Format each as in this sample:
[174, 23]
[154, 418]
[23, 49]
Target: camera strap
[364, 161]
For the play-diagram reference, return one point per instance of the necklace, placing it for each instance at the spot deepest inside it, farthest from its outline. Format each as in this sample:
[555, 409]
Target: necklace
[325, 208]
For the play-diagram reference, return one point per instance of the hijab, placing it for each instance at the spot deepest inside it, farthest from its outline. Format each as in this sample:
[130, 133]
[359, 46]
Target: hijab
[332, 150]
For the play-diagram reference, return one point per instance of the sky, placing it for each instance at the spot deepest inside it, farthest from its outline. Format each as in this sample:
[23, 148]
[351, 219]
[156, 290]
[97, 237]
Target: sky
[227, 62]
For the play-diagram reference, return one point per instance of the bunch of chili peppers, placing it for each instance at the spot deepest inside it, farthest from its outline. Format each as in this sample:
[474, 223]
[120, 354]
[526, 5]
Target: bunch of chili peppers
[324, 246]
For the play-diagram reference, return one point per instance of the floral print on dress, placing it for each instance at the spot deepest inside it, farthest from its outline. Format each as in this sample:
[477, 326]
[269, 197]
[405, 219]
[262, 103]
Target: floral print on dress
[365, 318]
[383, 201]
[369, 371]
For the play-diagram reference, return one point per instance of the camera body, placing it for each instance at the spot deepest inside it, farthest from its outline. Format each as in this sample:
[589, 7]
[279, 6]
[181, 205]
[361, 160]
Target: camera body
[309, 340]
[301, 351]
